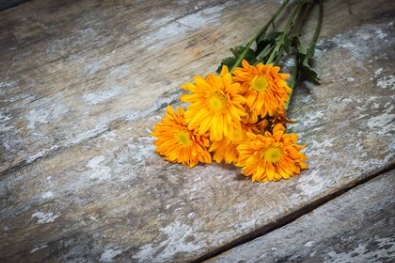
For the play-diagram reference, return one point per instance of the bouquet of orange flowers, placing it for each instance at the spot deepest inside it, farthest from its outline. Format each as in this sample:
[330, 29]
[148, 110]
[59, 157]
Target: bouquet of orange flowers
[239, 116]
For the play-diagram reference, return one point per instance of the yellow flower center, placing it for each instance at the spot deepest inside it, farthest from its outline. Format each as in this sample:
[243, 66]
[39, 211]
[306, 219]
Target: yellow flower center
[217, 101]
[273, 155]
[183, 138]
[260, 83]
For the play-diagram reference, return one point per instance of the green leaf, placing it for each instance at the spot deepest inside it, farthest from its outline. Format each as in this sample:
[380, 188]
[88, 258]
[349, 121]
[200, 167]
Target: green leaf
[287, 43]
[298, 44]
[264, 53]
[266, 43]
[229, 61]
[310, 53]
[307, 73]
[271, 37]
[236, 51]
[239, 49]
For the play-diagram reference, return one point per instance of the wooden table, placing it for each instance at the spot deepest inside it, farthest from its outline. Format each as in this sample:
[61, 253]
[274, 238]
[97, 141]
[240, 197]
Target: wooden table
[82, 83]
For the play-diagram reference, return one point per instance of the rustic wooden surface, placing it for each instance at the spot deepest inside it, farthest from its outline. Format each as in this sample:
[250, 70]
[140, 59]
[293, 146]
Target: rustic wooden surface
[82, 82]
[4, 4]
[358, 227]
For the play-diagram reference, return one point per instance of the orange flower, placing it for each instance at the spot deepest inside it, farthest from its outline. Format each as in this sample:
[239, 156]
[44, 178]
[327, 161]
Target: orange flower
[179, 144]
[271, 157]
[216, 105]
[226, 149]
[263, 86]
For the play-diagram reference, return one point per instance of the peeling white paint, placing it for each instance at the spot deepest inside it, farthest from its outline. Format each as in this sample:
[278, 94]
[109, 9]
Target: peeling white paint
[109, 254]
[102, 96]
[44, 218]
[98, 64]
[383, 122]
[361, 253]
[82, 136]
[143, 150]
[176, 242]
[387, 82]
[40, 154]
[160, 21]
[4, 125]
[208, 16]
[378, 71]
[363, 42]
[58, 109]
[380, 34]
[183, 2]
[97, 169]
[117, 82]
[164, 35]
[167, 34]
[110, 136]
[45, 112]
[311, 184]
[309, 243]
[35, 116]
[47, 195]
[39, 247]
[289, 63]
[158, 104]
[309, 119]
[4, 118]
[80, 37]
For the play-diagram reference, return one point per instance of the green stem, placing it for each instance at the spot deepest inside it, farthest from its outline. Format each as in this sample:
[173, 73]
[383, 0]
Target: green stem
[292, 84]
[310, 51]
[317, 31]
[262, 31]
[286, 29]
[299, 22]
[296, 27]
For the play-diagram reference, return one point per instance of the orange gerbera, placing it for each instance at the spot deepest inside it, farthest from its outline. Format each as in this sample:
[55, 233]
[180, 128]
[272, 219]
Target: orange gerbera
[263, 86]
[271, 157]
[179, 144]
[226, 149]
[216, 105]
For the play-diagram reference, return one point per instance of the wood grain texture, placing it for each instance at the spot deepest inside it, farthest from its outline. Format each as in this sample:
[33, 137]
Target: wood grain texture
[4, 4]
[71, 69]
[95, 191]
[359, 226]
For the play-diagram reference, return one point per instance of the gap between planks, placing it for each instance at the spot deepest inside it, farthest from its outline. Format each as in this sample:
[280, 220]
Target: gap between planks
[287, 219]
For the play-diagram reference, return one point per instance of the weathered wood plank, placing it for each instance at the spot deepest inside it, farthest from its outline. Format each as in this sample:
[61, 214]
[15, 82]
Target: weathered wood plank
[71, 69]
[4, 4]
[358, 226]
[112, 198]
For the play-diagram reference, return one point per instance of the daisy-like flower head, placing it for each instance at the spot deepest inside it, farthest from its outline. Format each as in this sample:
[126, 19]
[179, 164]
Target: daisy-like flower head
[216, 105]
[271, 157]
[226, 149]
[263, 86]
[179, 144]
